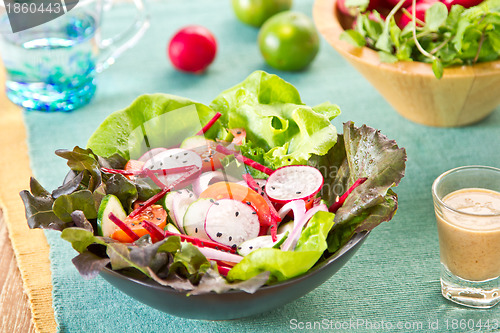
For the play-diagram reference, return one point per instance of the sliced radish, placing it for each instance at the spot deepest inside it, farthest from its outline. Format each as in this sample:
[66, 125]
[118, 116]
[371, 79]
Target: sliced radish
[260, 242]
[297, 206]
[176, 204]
[194, 218]
[294, 182]
[220, 255]
[150, 153]
[201, 183]
[293, 238]
[231, 222]
[174, 158]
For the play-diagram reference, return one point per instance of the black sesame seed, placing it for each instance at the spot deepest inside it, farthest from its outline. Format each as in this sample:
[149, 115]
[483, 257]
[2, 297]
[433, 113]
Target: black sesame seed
[234, 246]
[262, 193]
[216, 203]
[250, 247]
[176, 157]
[219, 234]
[207, 160]
[298, 192]
[184, 161]
[196, 230]
[238, 132]
[254, 212]
[185, 154]
[230, 238]
[212, 200]
[190, 195]
[237, 213]
[249, 203]
[273, 188]
[141, 204]
[158, 218]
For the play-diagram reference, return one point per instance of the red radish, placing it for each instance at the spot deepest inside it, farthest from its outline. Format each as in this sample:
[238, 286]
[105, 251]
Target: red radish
[298, 207]
[393, 3]
[223, 270]
[231, 222]
[464, 3]
[174, 158]
[294, 182]
[180, 202]
[220, 255]
[291, 241]
[145, 173]
[275, 218]
[192, 49]
[209, 124]
[201, 183]
[335, 206]
[201, 242]
[150, 153]
[420, 8]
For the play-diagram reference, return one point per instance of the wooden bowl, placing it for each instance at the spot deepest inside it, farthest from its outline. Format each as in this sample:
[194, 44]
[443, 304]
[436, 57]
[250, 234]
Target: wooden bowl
[464, 95]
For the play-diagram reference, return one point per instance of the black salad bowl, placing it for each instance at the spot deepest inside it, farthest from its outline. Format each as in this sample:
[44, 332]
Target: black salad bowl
[233, 304]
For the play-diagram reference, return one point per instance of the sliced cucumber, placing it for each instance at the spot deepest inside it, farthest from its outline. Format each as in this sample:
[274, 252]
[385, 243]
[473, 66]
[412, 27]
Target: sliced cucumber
[285, 227]
[176, 203]
[109, 204]
[194, 142]
[260, 242]
[172, 228]
[194, 218]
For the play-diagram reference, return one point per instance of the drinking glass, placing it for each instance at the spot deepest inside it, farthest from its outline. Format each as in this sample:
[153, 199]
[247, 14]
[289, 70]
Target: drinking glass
[467, 207]
[53, 66]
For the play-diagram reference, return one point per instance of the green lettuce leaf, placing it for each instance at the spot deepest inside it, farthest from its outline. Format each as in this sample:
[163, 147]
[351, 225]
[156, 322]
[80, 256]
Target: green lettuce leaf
[147, 123]
[276, 120]
[284, 265]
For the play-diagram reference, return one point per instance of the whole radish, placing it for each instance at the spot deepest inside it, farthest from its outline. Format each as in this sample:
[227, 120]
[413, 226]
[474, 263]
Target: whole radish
[192, 49]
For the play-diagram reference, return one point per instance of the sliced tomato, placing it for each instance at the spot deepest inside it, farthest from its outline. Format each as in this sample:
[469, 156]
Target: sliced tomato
[154, 214]
[226, 190]
[210, 158]
[133, 165]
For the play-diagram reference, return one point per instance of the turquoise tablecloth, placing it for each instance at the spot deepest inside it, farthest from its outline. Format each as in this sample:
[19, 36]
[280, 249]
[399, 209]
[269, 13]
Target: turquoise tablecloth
[392, 281]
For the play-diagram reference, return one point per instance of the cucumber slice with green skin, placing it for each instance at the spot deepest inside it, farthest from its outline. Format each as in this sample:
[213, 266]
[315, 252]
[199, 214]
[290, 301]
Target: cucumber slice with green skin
[231, 222]
[176, 204]
[194, 142]
[260, 242]
[194, 218]
[285, 227]
[109, 204]
[172, 228]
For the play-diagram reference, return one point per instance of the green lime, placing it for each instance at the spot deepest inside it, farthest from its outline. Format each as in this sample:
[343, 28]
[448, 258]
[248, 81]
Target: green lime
[256, 12]
[289, 41]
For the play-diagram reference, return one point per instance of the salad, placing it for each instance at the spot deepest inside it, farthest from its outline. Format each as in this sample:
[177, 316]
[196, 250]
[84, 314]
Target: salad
[441, 32]
[255, 189]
